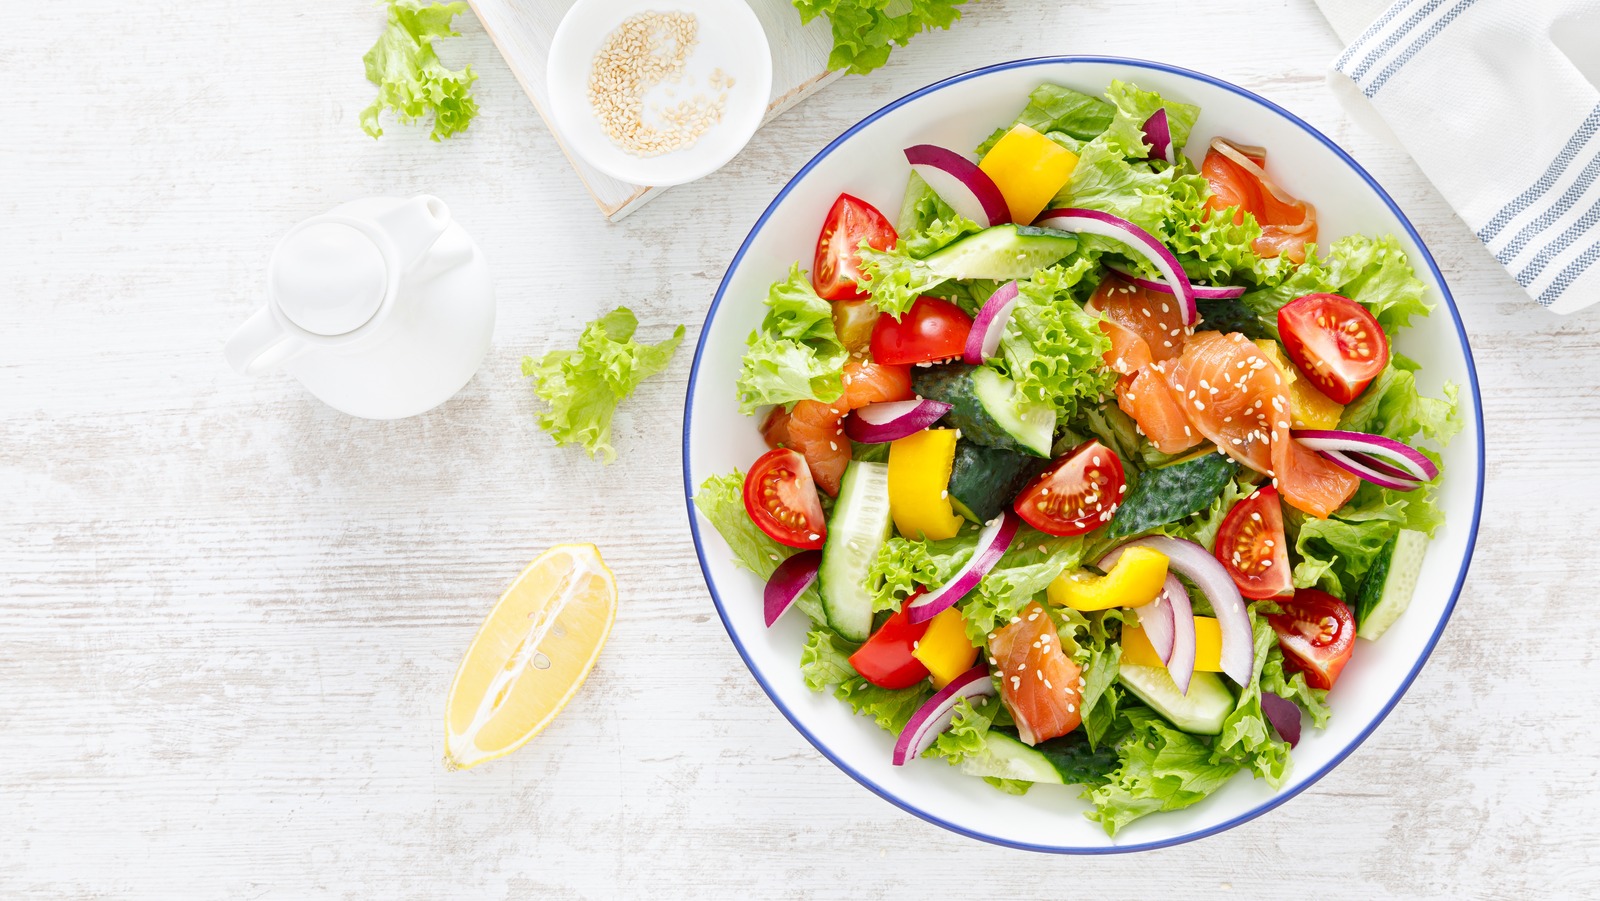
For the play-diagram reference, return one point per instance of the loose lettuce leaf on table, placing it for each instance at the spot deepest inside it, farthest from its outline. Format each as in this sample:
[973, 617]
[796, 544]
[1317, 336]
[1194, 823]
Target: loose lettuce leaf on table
[865, 30]
[795, 354]
[583, 387]
[410, 78]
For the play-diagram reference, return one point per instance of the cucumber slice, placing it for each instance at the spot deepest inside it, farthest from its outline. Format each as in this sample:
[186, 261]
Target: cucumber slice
[1004, 757]
[1172, 492]
[859, 526]
[1201, 711]
[984, 480]
[1002, 253]
[1386, 591]
[988, 408]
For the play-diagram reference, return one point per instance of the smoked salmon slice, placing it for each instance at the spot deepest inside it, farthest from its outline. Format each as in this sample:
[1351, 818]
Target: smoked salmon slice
[1237, 180]
[1146, 330]
[1039, 683]
[1145, 397]
[1234, 396]
[815, 429]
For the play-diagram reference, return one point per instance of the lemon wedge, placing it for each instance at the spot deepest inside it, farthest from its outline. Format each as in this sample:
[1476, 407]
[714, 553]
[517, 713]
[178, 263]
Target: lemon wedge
[530, 655]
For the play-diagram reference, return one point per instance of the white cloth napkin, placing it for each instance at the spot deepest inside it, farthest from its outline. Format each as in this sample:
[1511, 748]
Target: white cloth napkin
[1492, 100]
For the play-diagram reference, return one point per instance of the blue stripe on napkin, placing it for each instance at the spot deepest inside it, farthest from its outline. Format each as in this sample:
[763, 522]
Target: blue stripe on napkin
[1377, 83]
[1558, 167]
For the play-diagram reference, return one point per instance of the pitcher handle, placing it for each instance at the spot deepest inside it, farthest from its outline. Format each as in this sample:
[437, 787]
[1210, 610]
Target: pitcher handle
[261, 345]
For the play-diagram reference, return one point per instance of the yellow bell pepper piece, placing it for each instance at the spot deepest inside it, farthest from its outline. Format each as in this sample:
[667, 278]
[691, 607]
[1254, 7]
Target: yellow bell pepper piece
[919, 484]
[1137, 650]
[1134, 580]
[944, 649]
[1308, 407]
[1029, 169]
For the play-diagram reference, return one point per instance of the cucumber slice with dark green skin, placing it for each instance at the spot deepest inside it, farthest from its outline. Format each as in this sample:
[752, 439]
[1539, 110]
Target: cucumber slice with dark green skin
[1386, 591]
[1231, 315]
[1067, 760]
[859, 526]
[1202, 710]
[987, 407]
[1002, 253]
[984, 480]
[1172, 492]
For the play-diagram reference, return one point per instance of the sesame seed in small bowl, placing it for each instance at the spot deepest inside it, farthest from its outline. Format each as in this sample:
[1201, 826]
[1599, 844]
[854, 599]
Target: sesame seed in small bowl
[658, 92]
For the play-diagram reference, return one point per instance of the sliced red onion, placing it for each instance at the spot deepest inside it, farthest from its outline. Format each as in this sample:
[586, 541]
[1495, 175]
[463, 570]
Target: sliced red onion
[892, 420]
[1095, 222]
[960, 183]
[1190, 559]
[790, 580]
[993, 542]
[1382, 480]
[1379, 465]
[935, 716]
[1203, 292]
[984, 338]
[1168, 622]
[1284, 715]
[1159, 136]
[1415, 464]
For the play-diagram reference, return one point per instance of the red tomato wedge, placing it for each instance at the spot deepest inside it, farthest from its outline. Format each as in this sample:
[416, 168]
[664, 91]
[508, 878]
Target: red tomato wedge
[1238, 179]
[1335, 342]
[1251, 546]
[1317, 633]
[1039, 684]
[1234, 396]
[853, 321]
[885, 660]
[837, 268]
[782, 500]
[814, 428]
[1077, 494]
[933, 329]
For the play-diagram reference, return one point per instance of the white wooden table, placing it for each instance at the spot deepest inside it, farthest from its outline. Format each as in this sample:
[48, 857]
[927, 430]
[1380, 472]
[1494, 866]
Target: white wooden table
[228, 615]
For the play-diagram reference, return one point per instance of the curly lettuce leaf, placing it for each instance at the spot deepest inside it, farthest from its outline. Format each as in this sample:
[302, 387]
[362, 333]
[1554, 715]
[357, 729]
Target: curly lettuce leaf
[895, 278]
[1158, 768]
[1393, 407]
[1135, 106]
[583, 387]
[1052, 347]
[410, 78]
[865, 30]
[969, 728]
[1374, 272]
[720, 500]
[1247, 739]
[825, 661]
[795, 354]
[1312, 701]
[1062, 114]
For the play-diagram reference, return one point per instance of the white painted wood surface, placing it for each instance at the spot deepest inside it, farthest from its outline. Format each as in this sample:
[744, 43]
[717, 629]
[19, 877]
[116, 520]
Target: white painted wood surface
[522, 29]
[228, 615]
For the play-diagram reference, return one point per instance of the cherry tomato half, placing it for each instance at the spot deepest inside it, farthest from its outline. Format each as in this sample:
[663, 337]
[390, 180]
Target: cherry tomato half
[1251, 546]
[782, 500]
[933, 329]
[1077, 494]
[837, 269]
[1317, 633]
[885, 660]
[1335, 342]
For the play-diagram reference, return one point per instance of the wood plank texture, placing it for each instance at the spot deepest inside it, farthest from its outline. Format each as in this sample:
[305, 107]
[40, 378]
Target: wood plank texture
[522, 31]
[229, 615]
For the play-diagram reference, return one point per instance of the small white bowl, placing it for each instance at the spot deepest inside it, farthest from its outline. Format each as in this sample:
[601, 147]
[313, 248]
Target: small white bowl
[730, 38]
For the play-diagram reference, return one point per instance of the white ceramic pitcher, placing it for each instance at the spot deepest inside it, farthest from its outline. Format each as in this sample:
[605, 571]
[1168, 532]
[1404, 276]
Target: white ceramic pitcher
[381, 307]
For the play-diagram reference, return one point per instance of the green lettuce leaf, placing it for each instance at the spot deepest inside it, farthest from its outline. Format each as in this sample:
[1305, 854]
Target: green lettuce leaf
[583, 387]
[865, 30]
[720, 500]
[410, 78]
[1313, 701]
[1052, 347]
[895, 278]
[1374, 272]
[795, 354]
[1135, 106]
[1100, 694]
[1392, 406]
[969, 728]
[1158, 768]
[1059, 113]
[1247, 738]
[825, 661]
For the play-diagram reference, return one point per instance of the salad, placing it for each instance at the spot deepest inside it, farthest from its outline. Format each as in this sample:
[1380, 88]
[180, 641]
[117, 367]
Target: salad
[1091, 467]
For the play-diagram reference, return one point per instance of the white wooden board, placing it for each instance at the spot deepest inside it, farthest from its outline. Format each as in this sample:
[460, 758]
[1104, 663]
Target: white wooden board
[522, 30]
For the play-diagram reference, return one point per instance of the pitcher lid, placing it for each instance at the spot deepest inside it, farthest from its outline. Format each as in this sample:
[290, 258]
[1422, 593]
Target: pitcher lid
[329, 278]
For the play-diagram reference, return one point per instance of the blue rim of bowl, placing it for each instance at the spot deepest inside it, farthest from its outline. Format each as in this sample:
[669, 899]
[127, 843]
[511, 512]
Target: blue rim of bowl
[1276, 800]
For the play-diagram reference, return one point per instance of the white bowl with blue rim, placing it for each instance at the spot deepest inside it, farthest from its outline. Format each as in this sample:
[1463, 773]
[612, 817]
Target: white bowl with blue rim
[866, 161]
